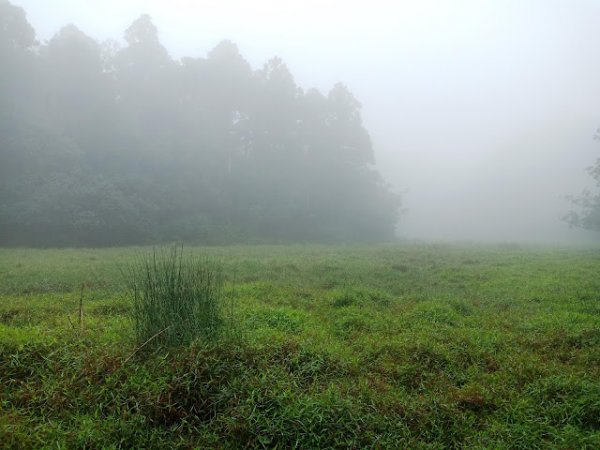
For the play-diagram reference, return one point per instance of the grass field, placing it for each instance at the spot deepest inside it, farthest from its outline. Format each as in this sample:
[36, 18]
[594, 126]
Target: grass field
[405, 346]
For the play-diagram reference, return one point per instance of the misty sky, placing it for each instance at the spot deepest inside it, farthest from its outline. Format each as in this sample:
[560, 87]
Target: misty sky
[483, 112]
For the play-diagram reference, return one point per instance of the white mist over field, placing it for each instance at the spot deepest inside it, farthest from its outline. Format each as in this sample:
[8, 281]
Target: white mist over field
[481, 112]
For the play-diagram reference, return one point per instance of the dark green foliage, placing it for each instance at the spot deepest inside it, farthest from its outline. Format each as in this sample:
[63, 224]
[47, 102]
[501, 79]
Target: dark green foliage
[176, 298]
[587, 213]
[102, 145]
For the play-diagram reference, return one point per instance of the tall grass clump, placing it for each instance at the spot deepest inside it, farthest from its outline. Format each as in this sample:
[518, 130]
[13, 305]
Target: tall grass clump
[176, 298]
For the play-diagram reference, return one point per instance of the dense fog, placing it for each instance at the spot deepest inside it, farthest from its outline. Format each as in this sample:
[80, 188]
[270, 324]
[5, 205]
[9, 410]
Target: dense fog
[462, 120]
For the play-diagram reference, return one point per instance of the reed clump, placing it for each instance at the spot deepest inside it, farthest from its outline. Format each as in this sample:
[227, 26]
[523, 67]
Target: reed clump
[177, 298]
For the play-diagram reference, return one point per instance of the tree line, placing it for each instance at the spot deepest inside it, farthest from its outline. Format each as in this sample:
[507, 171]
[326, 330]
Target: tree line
[109, 144]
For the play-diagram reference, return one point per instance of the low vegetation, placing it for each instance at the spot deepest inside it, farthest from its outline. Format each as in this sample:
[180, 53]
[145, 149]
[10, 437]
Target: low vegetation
[418, 346]
[176, 298]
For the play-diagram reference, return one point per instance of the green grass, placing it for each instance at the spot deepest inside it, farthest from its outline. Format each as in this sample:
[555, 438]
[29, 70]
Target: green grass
[176, 298]
[418, 346]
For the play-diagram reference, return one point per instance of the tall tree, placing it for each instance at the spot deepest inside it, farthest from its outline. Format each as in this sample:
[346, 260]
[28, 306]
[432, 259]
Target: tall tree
[145, 74]
[78, 87]
[17, 37]
[106, 145]
[587, 212]
[15, 32]
[352, 140]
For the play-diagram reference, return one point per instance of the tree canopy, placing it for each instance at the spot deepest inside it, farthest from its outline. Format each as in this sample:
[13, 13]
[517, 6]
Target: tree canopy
[587, 213]
[102, 144]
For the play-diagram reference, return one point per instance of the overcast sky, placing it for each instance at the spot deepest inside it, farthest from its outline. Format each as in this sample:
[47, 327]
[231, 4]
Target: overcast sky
[482, 112]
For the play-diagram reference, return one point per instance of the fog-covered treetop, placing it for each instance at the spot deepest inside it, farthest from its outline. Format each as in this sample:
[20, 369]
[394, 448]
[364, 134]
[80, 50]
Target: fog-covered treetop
[104, 144]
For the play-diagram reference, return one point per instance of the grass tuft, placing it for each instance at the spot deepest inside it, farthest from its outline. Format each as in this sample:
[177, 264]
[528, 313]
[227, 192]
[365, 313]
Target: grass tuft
[176, 298]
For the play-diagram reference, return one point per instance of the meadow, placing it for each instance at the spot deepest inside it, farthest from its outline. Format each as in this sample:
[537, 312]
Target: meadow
[381, 346]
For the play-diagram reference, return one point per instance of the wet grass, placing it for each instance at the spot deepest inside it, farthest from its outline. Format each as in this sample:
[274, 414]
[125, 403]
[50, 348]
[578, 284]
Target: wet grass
[177, 298]
[408, 346]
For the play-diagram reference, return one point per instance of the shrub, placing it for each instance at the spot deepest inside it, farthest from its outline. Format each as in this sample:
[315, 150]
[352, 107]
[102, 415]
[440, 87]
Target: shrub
[176, 298]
